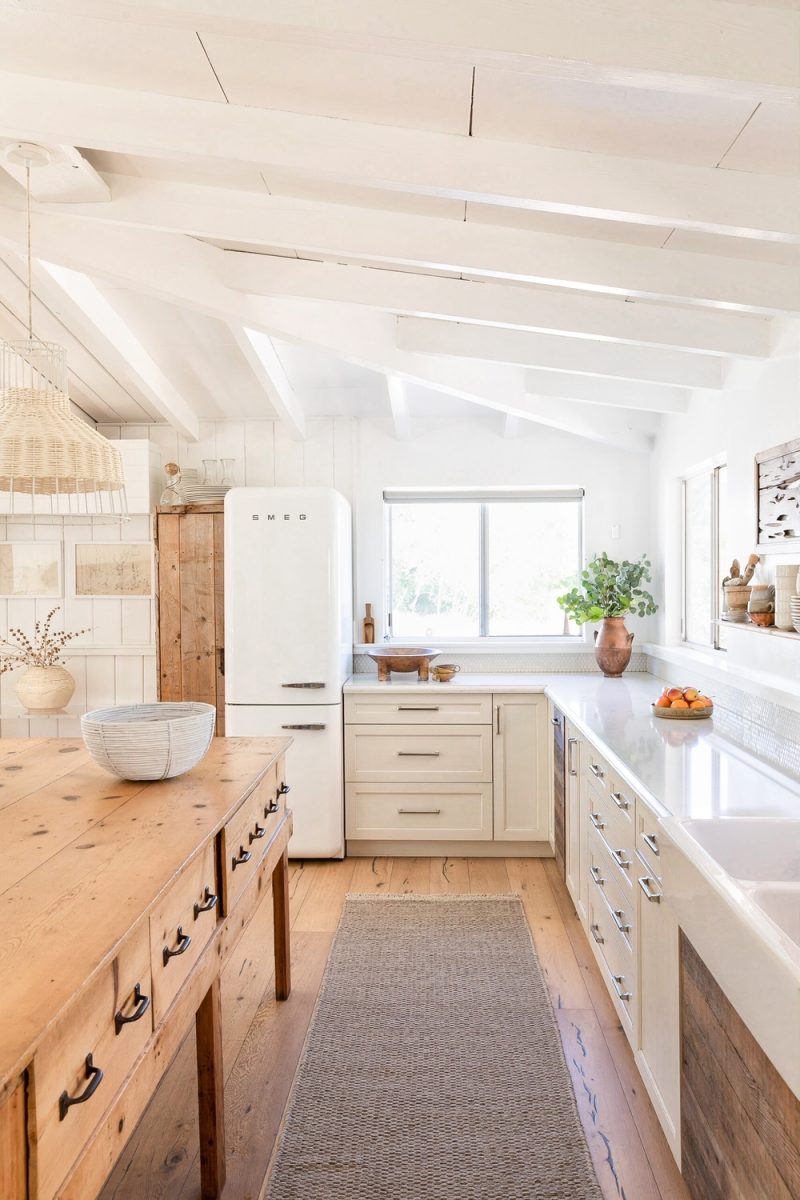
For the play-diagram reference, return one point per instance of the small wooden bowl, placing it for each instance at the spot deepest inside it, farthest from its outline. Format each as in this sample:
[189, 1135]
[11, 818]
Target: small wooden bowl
[682, 714]
[764, 619]
[403, 659]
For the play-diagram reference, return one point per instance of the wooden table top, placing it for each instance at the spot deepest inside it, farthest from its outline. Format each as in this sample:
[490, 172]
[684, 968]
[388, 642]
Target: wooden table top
[84, 855]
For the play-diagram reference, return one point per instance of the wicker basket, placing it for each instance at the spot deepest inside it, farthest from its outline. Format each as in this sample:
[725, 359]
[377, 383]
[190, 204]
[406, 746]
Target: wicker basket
[149, 741]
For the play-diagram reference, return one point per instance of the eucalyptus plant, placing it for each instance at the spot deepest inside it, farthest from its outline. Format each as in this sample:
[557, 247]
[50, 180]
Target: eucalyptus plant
[610, 589]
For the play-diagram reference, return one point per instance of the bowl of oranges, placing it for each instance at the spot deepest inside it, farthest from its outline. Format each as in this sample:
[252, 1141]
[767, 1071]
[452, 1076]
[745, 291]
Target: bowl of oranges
[683, 704]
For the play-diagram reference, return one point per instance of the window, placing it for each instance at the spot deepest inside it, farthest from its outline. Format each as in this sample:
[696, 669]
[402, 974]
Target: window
[481, 563]
[704, 504]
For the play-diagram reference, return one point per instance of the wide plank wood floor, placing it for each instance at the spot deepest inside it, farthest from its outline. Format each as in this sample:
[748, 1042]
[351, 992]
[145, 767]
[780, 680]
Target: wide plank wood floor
[263, 1039]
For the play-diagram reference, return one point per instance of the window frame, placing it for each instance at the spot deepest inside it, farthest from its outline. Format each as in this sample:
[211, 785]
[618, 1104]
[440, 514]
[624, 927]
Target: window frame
[711, 472]
[484, 497]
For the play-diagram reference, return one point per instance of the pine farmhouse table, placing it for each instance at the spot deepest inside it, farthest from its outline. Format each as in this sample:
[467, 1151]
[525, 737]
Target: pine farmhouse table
[119, 905]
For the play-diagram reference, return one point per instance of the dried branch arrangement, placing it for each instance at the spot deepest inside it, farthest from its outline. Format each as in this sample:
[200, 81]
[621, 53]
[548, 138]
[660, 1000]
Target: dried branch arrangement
[43, 650]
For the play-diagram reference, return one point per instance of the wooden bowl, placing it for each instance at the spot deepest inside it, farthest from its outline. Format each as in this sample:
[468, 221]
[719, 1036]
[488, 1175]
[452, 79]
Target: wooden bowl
[682, 714]
[764, 619]
[403, 659]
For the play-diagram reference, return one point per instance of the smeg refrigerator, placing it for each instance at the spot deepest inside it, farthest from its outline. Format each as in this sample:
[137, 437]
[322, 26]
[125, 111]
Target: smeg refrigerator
[289, 643]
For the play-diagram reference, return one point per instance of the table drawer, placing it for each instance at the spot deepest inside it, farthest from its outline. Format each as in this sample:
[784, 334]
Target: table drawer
[111, 1022]
[647, 839]
[427, 812]
[247, 835]
[381, 754]
[181, 926]
[435, 707]
[615, 958]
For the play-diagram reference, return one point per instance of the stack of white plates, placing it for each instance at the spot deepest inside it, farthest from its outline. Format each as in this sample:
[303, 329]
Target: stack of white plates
[204, 493]
[794, 605]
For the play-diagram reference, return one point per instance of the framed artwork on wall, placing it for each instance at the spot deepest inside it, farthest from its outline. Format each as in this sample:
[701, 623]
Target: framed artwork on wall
[29, 570]
[778, 490]
[113, 570]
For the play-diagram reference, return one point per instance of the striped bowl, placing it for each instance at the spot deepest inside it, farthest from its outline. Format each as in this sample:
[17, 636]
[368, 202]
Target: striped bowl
[149, 741]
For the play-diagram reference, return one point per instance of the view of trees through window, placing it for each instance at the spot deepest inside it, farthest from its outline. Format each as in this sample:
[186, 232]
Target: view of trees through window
[464, 569]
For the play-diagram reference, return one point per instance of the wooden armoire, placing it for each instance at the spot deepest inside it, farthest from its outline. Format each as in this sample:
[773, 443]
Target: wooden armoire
[191, 628]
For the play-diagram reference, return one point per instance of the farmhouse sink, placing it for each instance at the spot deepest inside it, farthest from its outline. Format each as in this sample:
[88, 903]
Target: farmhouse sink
[781, 903]
[751, 850]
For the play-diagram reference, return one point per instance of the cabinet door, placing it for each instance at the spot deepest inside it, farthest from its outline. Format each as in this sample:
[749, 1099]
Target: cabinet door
[572, 817]
[522, 798]
[659, 1013]
[558, 722]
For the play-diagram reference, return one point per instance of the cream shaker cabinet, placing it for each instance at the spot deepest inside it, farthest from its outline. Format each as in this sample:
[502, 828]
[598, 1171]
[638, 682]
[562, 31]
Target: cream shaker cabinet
[575, 829]
[522, 801]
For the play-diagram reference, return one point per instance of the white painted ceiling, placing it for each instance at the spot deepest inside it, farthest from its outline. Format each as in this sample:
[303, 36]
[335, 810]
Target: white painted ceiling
[507, 208]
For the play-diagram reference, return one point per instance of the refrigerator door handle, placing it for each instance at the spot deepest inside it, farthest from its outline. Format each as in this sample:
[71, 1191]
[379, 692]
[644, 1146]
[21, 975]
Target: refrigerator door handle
[304, 685]
[304, 726]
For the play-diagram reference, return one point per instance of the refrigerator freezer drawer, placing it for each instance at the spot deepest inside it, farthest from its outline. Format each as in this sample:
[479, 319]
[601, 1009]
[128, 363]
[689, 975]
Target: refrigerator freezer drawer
[313, 768]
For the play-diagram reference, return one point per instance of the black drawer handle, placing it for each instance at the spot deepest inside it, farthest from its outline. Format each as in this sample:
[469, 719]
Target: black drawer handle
[257, 834]
[95, 1077]
[184, 942]
[272, 807]
[244, 856]
[284, 789]
[142, 1003]
[209, 901]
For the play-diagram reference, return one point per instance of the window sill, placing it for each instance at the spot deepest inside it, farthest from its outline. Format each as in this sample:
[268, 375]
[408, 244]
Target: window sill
[552, 645]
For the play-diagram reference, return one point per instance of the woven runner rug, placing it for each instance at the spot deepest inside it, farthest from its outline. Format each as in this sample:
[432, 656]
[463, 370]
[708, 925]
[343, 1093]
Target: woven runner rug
[433, 1068]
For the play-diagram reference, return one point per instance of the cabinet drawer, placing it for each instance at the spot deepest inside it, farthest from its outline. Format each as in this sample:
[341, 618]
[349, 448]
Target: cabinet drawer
[615, 958]
[58, 1130]
[429, 812]
[594, 767]
[620, 900]
[435, 707]
[647, 840]
[458, 753]
[180, 928]
[247, 835]
[615, 826]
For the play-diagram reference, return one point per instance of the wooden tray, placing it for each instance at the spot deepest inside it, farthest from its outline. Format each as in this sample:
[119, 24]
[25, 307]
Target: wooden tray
[683, 714]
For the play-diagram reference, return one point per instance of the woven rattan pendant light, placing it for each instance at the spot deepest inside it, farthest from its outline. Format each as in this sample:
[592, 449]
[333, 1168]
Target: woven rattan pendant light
[51, 462]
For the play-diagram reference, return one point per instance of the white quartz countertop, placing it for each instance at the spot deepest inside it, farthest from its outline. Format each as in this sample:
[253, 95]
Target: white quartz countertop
[685, 769]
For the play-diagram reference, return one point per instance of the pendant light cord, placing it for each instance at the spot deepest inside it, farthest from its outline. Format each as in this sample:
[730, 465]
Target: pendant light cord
[30, 269]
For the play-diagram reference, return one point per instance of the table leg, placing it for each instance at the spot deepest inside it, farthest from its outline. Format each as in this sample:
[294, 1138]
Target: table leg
[210, 1093]
[280, 912]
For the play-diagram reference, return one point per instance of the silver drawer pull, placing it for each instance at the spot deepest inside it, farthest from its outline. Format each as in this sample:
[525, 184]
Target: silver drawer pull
[620, 800]
[598, 772]
[407, 812]
[417, 753]
[418, 708]
[644, 883]
[649, 840]
[596, 876]
[596, 934]
[571, 744]
[597, 821]
[619, 920]
[313, 728]
[619, 860]
[618, 981]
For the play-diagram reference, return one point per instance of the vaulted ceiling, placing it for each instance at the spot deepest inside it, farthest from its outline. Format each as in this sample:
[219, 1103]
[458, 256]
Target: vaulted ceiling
[566, 213]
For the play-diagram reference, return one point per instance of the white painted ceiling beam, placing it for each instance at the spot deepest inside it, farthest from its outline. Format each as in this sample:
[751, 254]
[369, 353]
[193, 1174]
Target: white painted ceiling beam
[505, 304]
[614, 360]
[511, 426]
[68, 177]
[435, 243]
[642, 191]
[398, 405]
[688, 45]
[150, 378]
[268, 369]
[618, 393]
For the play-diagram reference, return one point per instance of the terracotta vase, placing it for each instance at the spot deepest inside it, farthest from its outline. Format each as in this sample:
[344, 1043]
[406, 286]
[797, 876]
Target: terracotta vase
[45, 689]
[612, 646]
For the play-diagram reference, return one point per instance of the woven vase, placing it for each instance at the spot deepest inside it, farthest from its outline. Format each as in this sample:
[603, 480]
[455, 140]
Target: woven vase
[45, 689]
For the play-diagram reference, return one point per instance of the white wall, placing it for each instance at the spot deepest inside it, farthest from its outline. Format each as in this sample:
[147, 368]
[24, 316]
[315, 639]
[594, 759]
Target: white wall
[360, 457]
[758, 408]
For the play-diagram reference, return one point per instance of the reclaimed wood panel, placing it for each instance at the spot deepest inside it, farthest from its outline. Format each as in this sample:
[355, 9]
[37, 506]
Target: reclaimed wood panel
[198, 647]
[740, 1123]
[219, 618]
[169, 607]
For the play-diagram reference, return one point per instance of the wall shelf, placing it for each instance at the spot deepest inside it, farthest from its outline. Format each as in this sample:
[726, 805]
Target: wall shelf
[770, 630]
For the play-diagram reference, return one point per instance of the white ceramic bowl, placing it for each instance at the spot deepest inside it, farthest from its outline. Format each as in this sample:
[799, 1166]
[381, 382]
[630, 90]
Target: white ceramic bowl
[149, 741]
